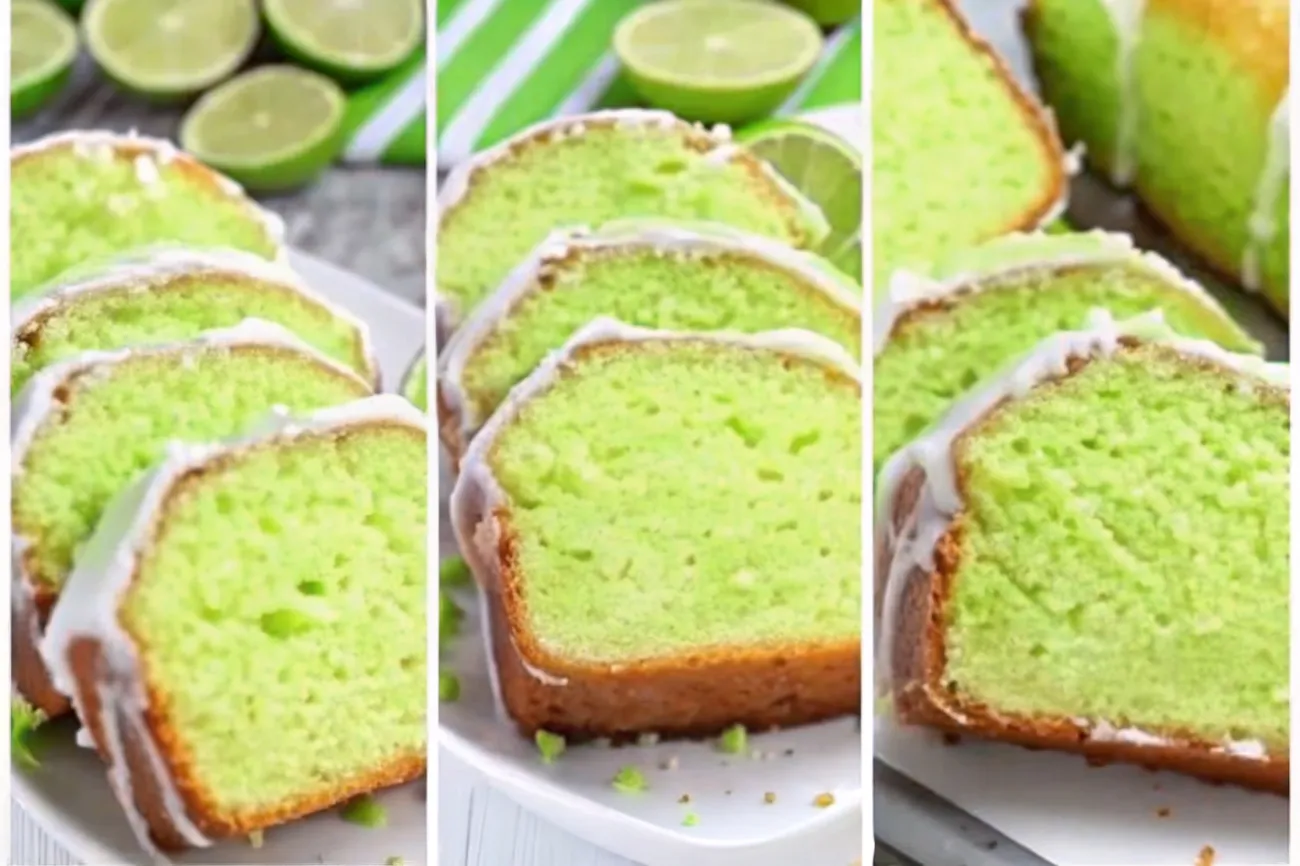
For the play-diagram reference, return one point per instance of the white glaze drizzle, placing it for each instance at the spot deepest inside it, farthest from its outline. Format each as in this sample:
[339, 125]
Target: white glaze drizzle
[698, 241]
[89, 605]
[159, 265]
[477, 494]
[458, 181]
[101, 145]
[913, 544]
[1126, 18]
[1261, 225]
[908, 290]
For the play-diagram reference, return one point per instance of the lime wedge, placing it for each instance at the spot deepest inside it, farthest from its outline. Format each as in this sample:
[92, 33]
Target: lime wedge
[169, 49]
[718, 61]
[271, 129]
[829, 13]
[827, 169]
[351, 40]
[44, 48]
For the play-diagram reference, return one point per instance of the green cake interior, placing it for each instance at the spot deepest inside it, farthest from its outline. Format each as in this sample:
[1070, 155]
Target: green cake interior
[654, 289]
[117, 423]
[605, 173]
[682, 497]
[113, 319]
[282, 605]
[68, 210]
[938, 353]
[1124, 553]
[416, 388]
[955, 158]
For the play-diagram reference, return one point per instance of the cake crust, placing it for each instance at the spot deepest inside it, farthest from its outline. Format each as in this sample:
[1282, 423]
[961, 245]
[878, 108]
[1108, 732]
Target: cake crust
[914, 673]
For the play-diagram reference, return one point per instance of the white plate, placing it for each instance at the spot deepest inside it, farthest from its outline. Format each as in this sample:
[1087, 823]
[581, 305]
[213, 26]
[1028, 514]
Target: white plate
[68, 795]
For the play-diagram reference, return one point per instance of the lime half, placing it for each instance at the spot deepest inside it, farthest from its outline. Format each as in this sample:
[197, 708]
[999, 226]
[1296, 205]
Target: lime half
[169, 49]
[351, 40]
[828, 170]
[271, 129]
[718, 61]
[44, 48]
[829, 13]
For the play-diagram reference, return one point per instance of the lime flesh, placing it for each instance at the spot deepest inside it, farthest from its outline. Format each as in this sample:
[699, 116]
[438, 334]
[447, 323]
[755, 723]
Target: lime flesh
[44, 46]
[719, 61]
[271, 129]
[351, 40]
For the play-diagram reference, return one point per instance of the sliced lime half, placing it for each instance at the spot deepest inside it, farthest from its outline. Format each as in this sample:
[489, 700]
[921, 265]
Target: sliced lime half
[271, 129]
[43, 50]
[351, 40]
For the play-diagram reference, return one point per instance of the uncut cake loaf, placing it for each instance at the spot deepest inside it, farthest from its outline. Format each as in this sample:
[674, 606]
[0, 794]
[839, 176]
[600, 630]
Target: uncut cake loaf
[590, 169]
[685, 277]
[936, 337]
[1091, 553]
[85, 427]
[961, 153]
[81, 197]
[1188, 101]
[169, 294]
[244, 635]
[723, 585]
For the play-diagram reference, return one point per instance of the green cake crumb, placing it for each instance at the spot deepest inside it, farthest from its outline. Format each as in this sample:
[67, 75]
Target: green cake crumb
[690, 820]
[23, 720]
[734, 740]
[365, 811]
[823, 801]
[453, 572]
[449, 618]
[256, 838]
[629, 780]
[394, 861]
[550, 745]
[769, 797]
[448, 686]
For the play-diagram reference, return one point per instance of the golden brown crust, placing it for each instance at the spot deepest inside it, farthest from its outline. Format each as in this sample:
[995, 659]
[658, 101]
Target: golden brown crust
[923, 696]
[30, 675]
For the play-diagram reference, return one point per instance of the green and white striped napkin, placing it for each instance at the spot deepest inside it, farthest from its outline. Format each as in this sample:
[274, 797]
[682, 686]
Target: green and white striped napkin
[503, 65]
[386, 121]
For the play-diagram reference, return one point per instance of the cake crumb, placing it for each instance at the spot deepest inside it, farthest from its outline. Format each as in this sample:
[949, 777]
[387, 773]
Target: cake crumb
[690, 820]
[649, 738]
[684, 798]
[1206, 857]
[769, 797]
[669, 763]
[1164, 812]
[256, 838]
[823, 801]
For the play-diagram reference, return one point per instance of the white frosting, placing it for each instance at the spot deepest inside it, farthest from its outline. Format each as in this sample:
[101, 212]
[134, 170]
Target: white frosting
[477, 495]
[100, 145]
[88, 607]
[912, 545]
[723, 151]
[907, 290]
[1126, 18]
[1272, 185]
[698, 241]
[155, 266]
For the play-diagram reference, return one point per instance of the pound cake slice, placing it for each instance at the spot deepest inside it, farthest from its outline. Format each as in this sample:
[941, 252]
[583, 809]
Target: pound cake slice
[85, 427]
[244, 636]
[665, 530]
[961, 153]
[1090, 553]
[678, 277]
[164, 295]
[83, 197]
[1188, 100]
[935, 338]
[588, 170]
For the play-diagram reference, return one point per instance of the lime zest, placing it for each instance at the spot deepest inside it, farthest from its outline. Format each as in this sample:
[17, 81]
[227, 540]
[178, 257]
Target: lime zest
[448, 687]
[734, 740]
[629, 780]
[24, 719]
[690, 820]
[454, 571]
[550, 745]
[365, 811]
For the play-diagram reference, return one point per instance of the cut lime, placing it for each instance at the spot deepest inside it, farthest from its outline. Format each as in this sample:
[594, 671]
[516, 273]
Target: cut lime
[271, 129]
[829, 13]
[44, 48]
[72, 5]
[828, 170]
[718, 61]
[170, 49]
[351, 40]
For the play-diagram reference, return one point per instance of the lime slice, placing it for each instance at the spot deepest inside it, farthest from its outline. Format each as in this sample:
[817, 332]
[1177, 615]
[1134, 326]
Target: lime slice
[271, 129]
[829, 13]
[44, 48]
[718, 61]
[828, 170]
[351, 40]
[170, 49]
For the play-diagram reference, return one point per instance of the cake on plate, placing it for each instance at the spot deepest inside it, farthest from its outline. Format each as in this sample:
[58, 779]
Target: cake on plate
[81, 197]
[938, 336]
[168, 294]
[86, 426]
[654, 274]
[244, 635]
[590, 169]
[723, 585]
[1091, 553]
[1188, 102]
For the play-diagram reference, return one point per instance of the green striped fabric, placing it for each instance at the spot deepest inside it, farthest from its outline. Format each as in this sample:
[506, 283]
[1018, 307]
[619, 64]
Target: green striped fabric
[386, 121]
[503, 65]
